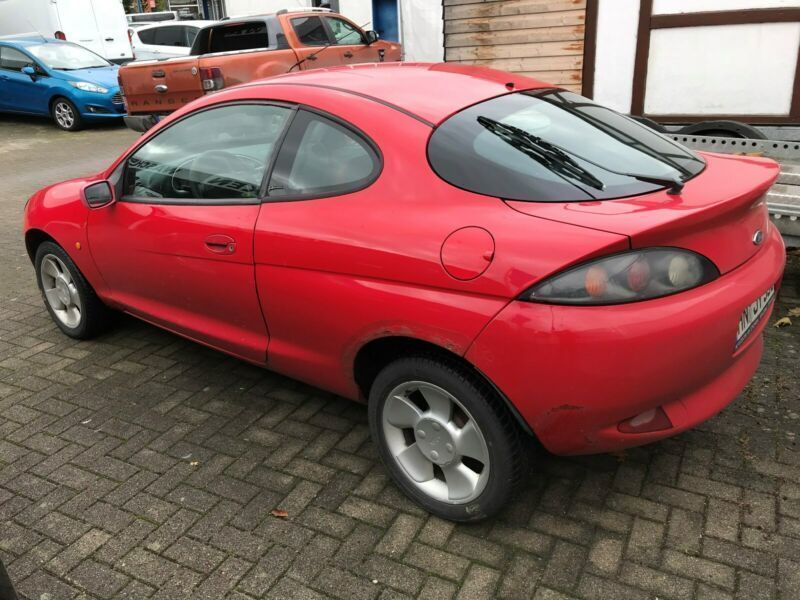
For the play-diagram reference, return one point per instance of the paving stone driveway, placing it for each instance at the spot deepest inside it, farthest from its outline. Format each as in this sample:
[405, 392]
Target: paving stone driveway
[141, 465]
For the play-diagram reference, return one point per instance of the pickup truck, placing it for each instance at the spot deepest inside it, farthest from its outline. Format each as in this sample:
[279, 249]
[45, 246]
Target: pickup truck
[241, 50]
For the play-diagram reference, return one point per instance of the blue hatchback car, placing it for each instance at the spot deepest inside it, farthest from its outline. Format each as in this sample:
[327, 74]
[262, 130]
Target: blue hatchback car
[41, 76]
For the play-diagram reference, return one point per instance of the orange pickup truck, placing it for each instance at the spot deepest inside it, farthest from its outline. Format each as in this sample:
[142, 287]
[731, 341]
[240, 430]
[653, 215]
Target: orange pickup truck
[242, 50]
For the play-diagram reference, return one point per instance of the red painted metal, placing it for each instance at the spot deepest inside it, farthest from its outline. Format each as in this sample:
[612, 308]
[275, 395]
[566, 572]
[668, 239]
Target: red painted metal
[413, 256]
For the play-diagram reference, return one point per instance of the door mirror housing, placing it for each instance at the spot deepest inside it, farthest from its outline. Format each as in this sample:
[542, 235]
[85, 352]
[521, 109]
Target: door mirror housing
[371, 37]
[99, 194]
[30, 71]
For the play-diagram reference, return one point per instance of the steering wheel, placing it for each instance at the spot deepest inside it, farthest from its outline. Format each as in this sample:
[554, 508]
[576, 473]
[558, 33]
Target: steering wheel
[204, 174]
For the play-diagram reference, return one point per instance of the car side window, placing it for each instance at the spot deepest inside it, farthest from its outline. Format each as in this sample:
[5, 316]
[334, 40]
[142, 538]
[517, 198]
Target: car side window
[13, 59]
[214, 156]
[321, 157]
[170, 36]
[147, 36]
[344, 33]
[310, 31]
[191, 33]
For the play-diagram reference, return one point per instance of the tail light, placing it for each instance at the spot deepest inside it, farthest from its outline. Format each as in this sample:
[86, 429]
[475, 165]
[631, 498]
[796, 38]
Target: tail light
[212, 78]
[122, 93]
[60, 35]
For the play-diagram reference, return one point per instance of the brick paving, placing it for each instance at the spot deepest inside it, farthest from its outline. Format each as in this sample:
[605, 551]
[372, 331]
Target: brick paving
[140, 465]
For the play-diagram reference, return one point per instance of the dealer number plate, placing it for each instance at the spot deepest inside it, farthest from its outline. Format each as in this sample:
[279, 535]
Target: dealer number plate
[752, 315]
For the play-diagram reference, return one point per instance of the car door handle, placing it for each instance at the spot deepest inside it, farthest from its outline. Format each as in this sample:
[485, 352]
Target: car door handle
[221, 244]
[348, 54]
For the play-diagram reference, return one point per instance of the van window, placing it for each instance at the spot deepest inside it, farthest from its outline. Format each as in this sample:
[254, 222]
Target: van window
[310, 31]
[148, 36]
[12, 59]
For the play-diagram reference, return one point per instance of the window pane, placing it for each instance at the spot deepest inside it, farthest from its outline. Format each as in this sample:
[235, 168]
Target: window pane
[242, 36]
[344, 33]
[169, 36]
[554, 146]
[147, 36]
[220, 153]
[310, 31]
[13, 59]
[191, 33]
[321, 157]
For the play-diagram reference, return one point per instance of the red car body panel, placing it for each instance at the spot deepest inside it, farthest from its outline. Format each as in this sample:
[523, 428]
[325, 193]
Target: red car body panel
[715, 214]
[311, 282]
[678, 353]
[158, 265]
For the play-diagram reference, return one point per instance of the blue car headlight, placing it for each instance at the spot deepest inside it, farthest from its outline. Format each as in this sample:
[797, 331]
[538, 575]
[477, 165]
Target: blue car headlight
[88, 87]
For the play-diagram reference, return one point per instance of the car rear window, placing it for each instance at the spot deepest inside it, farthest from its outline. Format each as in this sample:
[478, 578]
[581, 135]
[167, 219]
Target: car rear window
[242, 36]
[555, 146]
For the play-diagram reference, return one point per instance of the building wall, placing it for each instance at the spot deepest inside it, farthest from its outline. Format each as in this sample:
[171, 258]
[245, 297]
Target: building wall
[617, 22]
[540, 38]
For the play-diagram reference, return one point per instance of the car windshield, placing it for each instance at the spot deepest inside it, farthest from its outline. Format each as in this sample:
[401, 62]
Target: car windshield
[555, 146]
[67, 57]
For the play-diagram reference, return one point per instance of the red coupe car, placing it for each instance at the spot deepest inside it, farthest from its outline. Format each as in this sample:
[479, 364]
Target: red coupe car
[483, 258]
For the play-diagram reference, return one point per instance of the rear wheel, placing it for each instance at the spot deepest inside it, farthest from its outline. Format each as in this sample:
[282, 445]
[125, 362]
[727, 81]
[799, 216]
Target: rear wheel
[66, 115]
[68, 297]
[445, 437]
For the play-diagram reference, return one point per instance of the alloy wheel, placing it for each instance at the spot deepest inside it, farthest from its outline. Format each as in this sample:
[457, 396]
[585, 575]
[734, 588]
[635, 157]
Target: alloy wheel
[436, 442]
[64, 115]
[60, 291]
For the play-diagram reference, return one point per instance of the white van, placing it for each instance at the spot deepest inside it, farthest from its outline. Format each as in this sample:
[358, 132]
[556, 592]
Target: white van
[99, 25]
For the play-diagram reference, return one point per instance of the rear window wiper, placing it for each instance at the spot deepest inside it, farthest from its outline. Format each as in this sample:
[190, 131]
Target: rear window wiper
[675, 185]
[541, 151]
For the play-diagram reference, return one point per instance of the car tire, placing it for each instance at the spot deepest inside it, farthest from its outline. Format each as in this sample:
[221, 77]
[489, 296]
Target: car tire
[66, 115]
[68, 297]
[408, 407]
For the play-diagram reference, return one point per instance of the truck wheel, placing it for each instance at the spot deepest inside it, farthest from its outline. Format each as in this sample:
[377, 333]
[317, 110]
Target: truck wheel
[66, 115]
[68, 297]
[445, 437]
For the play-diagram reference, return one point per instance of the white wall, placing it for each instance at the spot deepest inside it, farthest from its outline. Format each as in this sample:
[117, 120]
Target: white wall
[422, 30]
[740, 74]
[241, 8]
[359, 11]
[663, 7]
[617, 23]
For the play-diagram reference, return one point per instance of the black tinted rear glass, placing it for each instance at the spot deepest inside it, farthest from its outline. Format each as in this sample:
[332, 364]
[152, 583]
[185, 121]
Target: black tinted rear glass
[554, 146]
[240, 36]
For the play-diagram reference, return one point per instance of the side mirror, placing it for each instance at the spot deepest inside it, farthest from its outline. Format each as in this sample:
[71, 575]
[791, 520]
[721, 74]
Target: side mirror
[29, 71]
[371, 37]
[99, 194]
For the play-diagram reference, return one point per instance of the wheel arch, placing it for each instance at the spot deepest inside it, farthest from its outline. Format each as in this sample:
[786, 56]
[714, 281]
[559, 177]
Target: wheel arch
[34, 238]
[376, 354]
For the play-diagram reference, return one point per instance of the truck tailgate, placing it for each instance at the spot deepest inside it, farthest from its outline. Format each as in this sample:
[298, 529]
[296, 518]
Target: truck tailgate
[160, 86]
[249, 65]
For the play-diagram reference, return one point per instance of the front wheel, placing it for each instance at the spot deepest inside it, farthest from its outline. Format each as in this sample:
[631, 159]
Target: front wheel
[66, 115]
[69, 298]
[446, 438]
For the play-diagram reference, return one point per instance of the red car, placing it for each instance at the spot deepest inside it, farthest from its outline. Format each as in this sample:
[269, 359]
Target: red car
[483, 258]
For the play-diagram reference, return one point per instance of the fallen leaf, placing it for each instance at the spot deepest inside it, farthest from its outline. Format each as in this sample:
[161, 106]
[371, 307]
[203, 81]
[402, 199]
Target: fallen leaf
[783, 322]
[795, 312]
[194, 463]
[279, 513]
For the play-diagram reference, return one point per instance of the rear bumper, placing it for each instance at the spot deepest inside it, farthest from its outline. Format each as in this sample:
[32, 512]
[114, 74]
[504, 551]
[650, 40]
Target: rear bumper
[574, 373]
[140, 123]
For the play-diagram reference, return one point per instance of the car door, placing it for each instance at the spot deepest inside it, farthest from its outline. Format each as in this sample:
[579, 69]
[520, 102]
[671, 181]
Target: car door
[18, 91]
[351, 45]
[176, 248]
[313, 35]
